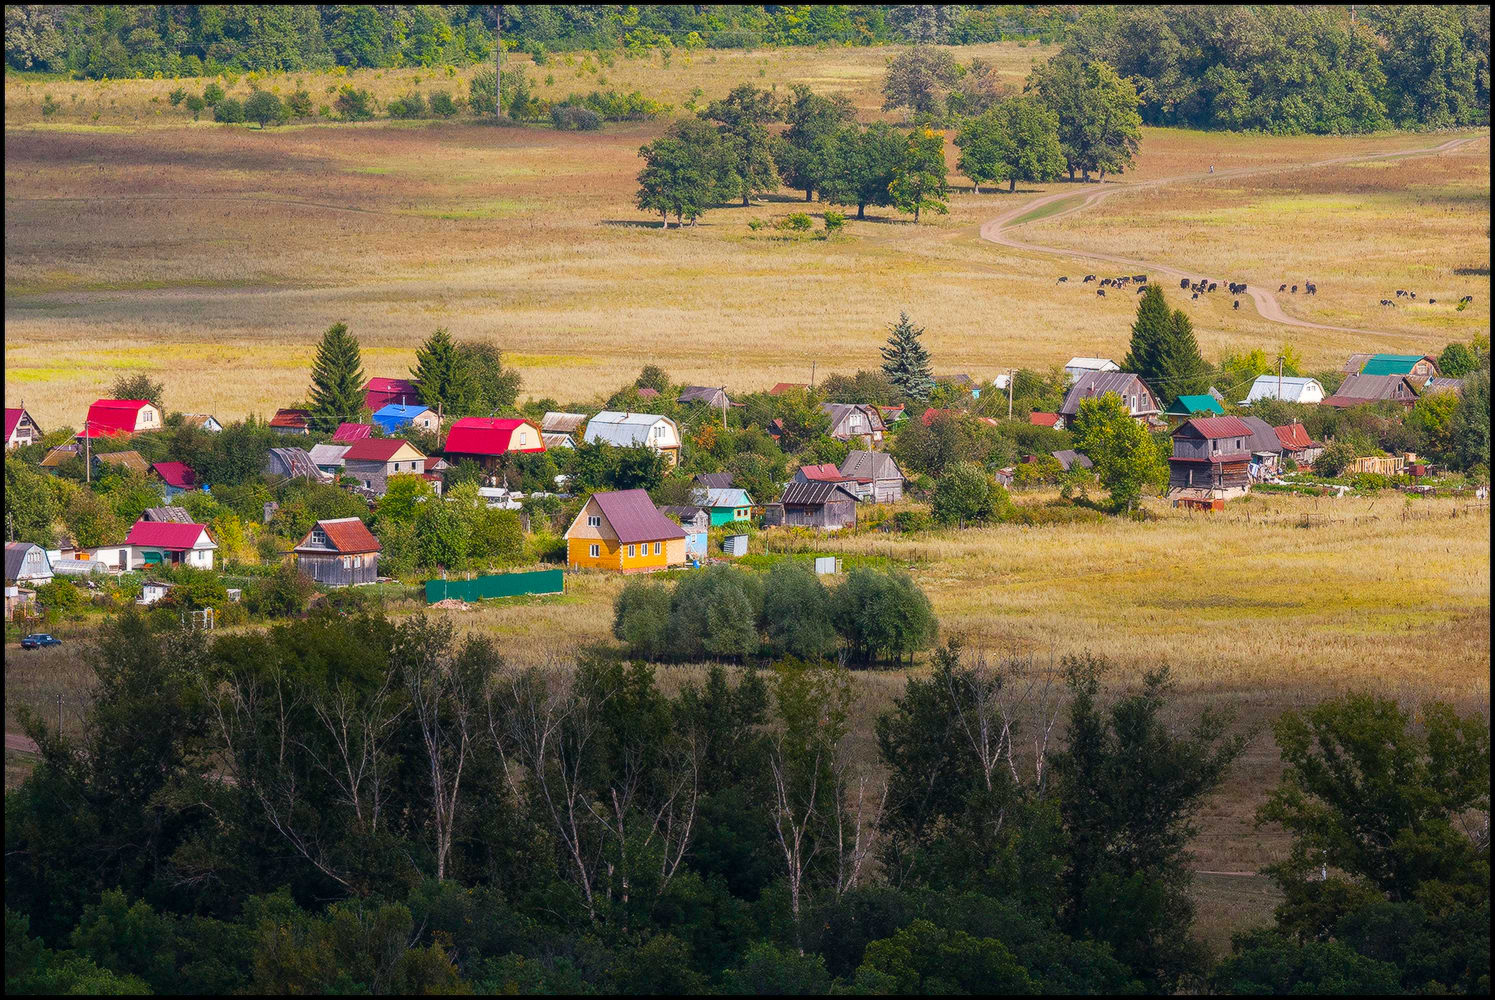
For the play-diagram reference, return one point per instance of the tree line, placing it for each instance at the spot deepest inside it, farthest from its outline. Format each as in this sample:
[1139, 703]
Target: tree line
[350, 804]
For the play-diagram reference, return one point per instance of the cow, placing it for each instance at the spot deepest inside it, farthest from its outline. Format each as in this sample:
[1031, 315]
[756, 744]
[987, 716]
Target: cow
[1184, 283]
[1140, 278]
[1089, 277]
[1212, 286]
[1432, 302]
[1387, 302]
[1062, 279]
[1101, 292]
[1282, 287]
[1311, 288]
[1295, 289]
[1400, 292]
[1196, 295]
[1237, 304]
[1467, 299]
[1412, 294]
[1141, 289]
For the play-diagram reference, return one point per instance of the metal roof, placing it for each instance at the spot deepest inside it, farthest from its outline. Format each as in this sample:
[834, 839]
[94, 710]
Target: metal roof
[623, 428]
[169, 535]
[176, 474]
[344, 534]
[714, 480]
[870, 465]
[1197, 404]
[1369, 388]
[1068, 457]
[1294, 437]
[168, 513]
[634, 518]
[1098, 384]
[1293, 387]
[349, 433]
[722, 497]
[1217, 427]
[15, 558]
[488, 436]
[1263, 435]
[814, 494]
[1392, 364]
[329, 454]
[377, 449]
[562, 423]
[296, 463]
[1093, 364]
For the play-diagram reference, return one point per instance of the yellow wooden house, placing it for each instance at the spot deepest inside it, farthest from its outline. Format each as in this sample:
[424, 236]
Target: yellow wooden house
[623, 531]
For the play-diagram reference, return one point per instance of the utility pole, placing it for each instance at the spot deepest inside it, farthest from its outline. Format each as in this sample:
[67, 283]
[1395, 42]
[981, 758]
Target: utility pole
[812, 374]
[1011, 378]
[87, 454]
[498, 59]
[1279, 378]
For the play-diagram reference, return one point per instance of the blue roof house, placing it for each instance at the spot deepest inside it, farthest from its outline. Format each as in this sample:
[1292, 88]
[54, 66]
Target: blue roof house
[394, 416]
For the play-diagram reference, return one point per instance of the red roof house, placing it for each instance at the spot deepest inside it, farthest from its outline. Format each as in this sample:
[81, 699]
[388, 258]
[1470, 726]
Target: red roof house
[827, 472]
[291, 421]
[108, 417]
[1045, 419]
[380, 392]
[169, 543]
[489, 437]
[176, 475]
[20, 429]
[348, 433]
[780, 388]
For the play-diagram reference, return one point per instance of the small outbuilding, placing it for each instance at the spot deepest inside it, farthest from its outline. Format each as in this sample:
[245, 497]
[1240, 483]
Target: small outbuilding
[339, 552]
[813, 505]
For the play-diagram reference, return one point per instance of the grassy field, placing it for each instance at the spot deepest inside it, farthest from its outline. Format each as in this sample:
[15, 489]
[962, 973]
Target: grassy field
[213, 255]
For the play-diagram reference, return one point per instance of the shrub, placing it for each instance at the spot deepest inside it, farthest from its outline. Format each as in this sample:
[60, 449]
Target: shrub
[882, 613]
[177, 96]
[212, 94]
[412, 105]
[737, 38]
[797, 612]
[263, 107]
[442, 104]
[641, 618]
[1368, 482]
[228, 111]
[353, 104]
[283, 594]
[967, 494]
[796, 222]
[299, 104]
[1335, 458]
[715, 613]
[834, 222]
[568, 116]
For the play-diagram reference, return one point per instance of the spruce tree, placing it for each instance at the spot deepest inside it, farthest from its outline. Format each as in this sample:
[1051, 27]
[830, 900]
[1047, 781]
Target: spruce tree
[1164, 352]
[905, 361]
[442, 374]
[337, 380]
[1149, 330]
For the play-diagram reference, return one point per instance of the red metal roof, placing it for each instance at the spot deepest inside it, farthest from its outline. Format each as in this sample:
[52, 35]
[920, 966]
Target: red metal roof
[297, 419]
[113, 416]
[488, 436]
[1043, 419]
[648, 393]
[1218, 427]
[824, 473]
[176, 474]
[375, 449]
[1293, 436]
[780, 387]
[380, 392]
[634, 518]
[347, 433]
[166, 535]
[345, 534]
[12, 417]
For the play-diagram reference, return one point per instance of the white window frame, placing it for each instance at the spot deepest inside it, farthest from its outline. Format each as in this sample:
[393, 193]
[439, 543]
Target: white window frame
[594, 520]
[595, 551]
[656, 548]
[630, 551]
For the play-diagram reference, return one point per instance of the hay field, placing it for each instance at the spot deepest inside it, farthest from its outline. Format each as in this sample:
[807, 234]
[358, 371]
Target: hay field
[213, 256]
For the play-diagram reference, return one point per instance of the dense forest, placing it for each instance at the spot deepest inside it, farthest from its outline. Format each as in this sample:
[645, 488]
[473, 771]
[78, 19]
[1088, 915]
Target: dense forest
[348, 804]
[1289, 69]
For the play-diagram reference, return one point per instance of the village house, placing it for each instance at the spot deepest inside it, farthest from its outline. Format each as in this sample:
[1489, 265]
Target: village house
[857, 422]
[158, 543]
[1188, 406]
[779, 388]
[562, 430]
[347, 433]
[329, 457]
[625, 429]
[1138, 399]
[111, 417]
[1297, 445]
[1265, 448]
[26, 564]
[825, 472]
[891, 414]
[396, 416]
[1417, 367]
[623, 531]
[712, 480]
[167, 513]
[726, 505]
[813, 505]
[20, 429]
[1040, 419]
[1355, 363]
[291, 422]
[177, 477]
[874, 476]
[1439, 383]
[130, 460]
[1069, 458]
[293, 463]
[1292, 389]
[712, 397]
[1360, 389]
[487, 439]
[202, 421]
[380, 392]
[1210, 459]
[1075, 368]
[697, 522]
[373, 461]
[339, 552]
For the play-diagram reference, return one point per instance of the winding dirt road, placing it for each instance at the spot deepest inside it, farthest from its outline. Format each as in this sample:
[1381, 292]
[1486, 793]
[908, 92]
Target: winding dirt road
[997, 230]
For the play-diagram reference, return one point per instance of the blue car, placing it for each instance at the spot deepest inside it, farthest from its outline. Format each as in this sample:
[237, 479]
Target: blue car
[38, 640]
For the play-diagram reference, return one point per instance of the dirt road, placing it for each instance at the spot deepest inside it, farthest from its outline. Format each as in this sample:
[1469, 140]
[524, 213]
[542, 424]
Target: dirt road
[997, 230]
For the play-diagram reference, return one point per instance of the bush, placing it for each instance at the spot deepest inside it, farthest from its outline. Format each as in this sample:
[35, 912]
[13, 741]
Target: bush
[412, 105]
[263, 107]
[834, 221]
[641, 618]
[228, 111]
[797, 612]
[442, 104]
[715, 613]
[280, 595]
[882, 613]
[1334, 459]
[177, 96]
[797, 222]
[212, 94]
[568, 116]
[298, 105]
[737, 38]
[195, 105]
[966, 494]
[1369, 482]
[354, 105]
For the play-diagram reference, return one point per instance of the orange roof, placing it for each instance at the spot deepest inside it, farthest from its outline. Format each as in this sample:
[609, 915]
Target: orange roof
[345, 534]
[1043, 419]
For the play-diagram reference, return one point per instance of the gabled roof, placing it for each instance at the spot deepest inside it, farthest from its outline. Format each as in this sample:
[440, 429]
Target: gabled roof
[1440, 383]
[622, 427]
[12, 419]
[1038, 419]
[329, 454]
[684, 513]
[1186, 405]
[113, 416]
[1263, 435]
[488, 436]
[782, 387]
[556, 440]
[348, 433]
[60, 454]
[839, 412]
[168, 513]
[1355, 363]
[1215, 427]
[15, 558]
[348, 535]
[377, 449]
[291, 419]
[870, 465]
[1369, 388]
[1099, 383]
[383, 390]
[1294, 437]
[703, 394]
[131, 460]
[176, 474]
[826, 472]
[402, 412]
[814, 494]
[1394, 364]
[1093, 364]
[556, 422]
[714, 480]
[1068, 457]
[171, 535]
[297, 463]
[634, 518]
[648, 393]
[718, 497]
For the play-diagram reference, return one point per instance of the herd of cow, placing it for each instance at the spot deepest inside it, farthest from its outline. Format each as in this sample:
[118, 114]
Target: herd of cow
[1412, 296]
[1140, 280]
[1204, 286]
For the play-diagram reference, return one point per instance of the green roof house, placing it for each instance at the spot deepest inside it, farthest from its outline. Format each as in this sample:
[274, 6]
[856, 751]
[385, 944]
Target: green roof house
[1189, 406]
[725, 504]
[1401, 364]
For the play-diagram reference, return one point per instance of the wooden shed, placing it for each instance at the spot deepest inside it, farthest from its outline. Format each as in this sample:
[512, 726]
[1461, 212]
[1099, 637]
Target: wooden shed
[813, 505]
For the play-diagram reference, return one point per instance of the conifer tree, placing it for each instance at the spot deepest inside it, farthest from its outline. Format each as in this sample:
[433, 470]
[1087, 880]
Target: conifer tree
[1163, 350]
[906, 361]
[443, 375]
[337, 380]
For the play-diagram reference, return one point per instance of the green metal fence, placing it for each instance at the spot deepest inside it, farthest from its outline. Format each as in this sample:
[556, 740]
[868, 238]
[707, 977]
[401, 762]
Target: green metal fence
[543, 581]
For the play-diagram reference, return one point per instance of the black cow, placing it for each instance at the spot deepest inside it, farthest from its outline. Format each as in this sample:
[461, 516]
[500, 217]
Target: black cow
[1237, 304]
[1196, 295]
[1412, 294]
[1184, 283]
[1100, 292]
[1062, 280]
[1212, 286]
[1400, 292]
[1295, 289]
[1282, 287]
[1311, 288]
[1141, 278]
[1141, 289]
[1089, 277]
[1432, 302]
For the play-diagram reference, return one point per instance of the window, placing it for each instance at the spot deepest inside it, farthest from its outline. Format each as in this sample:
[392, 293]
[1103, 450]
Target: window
[630, 551]
[656, 548]
[1214, 446]
[594, 552]
[397, 466]
[368, 484]
[594, 520]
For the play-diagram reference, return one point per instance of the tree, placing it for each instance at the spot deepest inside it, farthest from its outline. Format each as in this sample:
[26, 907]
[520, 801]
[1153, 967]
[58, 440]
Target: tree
[337, 380]
[741, 119]
[680, 175]
[139, 386]
[30, 504]
[1126, 458]
[863, 163]
[1432, 417]
[196, 105]
[801, 418]
[804, 153]
[714, 613]
[796, 612]
[494, 388]
[442, 375]
[905, 360]
[917, 79]
[1456, 361]
[641, 618]
[402, 500]
[264, 107]
[882, 613]
[354, 104]
[1163, 351]
[440, 536]
[1471, 423]
[230, 111]
[919, 179]
[1099, 126]
[967, 494]
[1018, 140]
[922, 960]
